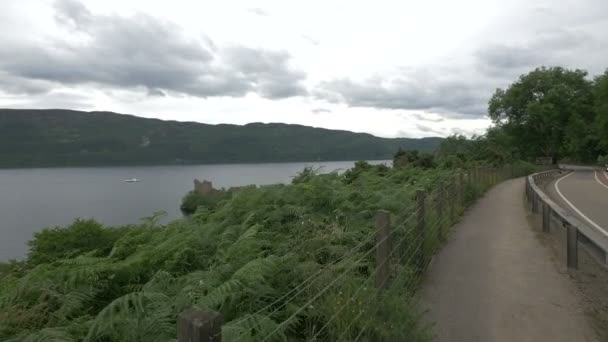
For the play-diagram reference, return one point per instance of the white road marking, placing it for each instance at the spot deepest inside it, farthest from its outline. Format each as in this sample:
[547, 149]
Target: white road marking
[556, 185]
[599, 181]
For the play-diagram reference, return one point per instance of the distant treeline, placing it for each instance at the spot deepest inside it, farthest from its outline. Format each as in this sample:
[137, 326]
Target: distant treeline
[32, 138]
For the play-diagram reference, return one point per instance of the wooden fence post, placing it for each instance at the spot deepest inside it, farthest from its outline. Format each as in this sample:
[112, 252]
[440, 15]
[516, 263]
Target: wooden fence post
[452, 198]
[420, 228]
[199, 326]
[440, 202]
[571, 245]
[490, 177]
[475, 179]
[546, 218]
[383, 248]
[484, 177]
[461, 189]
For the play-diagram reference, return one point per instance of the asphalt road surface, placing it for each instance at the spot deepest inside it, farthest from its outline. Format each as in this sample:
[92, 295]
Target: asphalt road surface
[584, 193]
[495, 281]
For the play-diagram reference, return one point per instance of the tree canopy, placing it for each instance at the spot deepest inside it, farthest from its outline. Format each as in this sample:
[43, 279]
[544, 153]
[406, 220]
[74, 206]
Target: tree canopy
[553, 112]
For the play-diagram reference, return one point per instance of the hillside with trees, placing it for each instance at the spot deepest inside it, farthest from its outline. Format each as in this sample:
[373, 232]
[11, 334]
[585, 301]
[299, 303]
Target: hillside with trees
[33, 138]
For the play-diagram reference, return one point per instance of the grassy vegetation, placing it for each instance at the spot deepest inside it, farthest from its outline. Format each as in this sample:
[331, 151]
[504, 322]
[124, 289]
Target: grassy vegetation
[239, 256]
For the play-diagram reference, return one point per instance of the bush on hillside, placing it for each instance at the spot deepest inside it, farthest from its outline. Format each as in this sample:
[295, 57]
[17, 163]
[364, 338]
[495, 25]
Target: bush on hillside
[82, 236]
[193, 200]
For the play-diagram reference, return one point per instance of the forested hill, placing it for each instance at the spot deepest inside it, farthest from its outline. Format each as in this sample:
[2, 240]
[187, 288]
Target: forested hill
[32, 138]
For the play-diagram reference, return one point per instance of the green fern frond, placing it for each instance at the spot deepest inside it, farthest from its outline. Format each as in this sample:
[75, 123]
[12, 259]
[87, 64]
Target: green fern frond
[256, 270]
[46, 335]
[136, 314]
[220, 294]
[161, 282]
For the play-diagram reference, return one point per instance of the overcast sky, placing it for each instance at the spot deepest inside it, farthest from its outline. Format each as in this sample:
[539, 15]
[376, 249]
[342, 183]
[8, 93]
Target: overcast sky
[391, 68]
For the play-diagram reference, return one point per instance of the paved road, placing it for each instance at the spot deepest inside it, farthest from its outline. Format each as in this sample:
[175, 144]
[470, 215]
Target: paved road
[495, 281]
[585, 194]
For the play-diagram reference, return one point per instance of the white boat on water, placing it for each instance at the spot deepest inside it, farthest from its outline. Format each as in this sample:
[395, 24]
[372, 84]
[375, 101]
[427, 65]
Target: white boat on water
[132, 180]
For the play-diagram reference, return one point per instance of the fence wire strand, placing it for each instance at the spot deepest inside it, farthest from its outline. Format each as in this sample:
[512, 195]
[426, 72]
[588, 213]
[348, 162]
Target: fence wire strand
[441, 205]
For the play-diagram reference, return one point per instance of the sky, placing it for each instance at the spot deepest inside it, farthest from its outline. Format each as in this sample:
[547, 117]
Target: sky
[390, 68]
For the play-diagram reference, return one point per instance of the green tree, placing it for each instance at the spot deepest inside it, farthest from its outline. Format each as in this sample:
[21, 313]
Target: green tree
[600, 92]
[537, 111]
[414, 159]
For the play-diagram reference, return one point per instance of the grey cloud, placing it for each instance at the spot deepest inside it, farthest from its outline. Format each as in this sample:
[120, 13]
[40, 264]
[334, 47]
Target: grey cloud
[464, 92]
[55, 99]
[144, 51]
[504, 57]
[11, 84]
[410, 90]
[71, 13]
[428, 129]
[320, 111]
[548, 47]
[156, 92]
[271, 67]
[422, 117]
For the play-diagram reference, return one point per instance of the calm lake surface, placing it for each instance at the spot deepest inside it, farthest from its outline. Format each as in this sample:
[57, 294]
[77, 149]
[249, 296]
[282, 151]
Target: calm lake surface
[31, 199]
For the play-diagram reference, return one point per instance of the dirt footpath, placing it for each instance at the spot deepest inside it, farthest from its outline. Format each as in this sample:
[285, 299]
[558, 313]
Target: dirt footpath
[495, 280]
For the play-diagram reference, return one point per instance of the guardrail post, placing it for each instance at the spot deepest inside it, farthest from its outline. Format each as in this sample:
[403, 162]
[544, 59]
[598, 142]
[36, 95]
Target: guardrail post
[571, 245]
[534, 202]
[546, 218]
[383, 247]
[420, 228]
[199, 326]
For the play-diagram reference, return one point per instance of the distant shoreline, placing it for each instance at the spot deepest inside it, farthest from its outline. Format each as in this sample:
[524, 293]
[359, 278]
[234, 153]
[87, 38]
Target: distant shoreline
[185, 164]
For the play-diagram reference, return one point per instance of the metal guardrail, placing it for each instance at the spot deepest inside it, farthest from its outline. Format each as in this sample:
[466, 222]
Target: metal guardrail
[577, 231]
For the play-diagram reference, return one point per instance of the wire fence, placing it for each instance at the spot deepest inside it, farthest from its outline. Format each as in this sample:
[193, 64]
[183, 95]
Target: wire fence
[389, 260]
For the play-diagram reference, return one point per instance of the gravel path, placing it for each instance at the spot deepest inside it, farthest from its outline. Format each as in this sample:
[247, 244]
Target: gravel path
[494, 280]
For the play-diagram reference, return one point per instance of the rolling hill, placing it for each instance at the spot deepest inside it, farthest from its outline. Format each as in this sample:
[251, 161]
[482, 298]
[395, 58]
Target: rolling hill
[56, 137]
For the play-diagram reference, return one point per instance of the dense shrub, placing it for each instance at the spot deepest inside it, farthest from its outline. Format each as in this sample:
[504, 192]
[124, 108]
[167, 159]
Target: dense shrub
[80, 237]
[193, 200]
